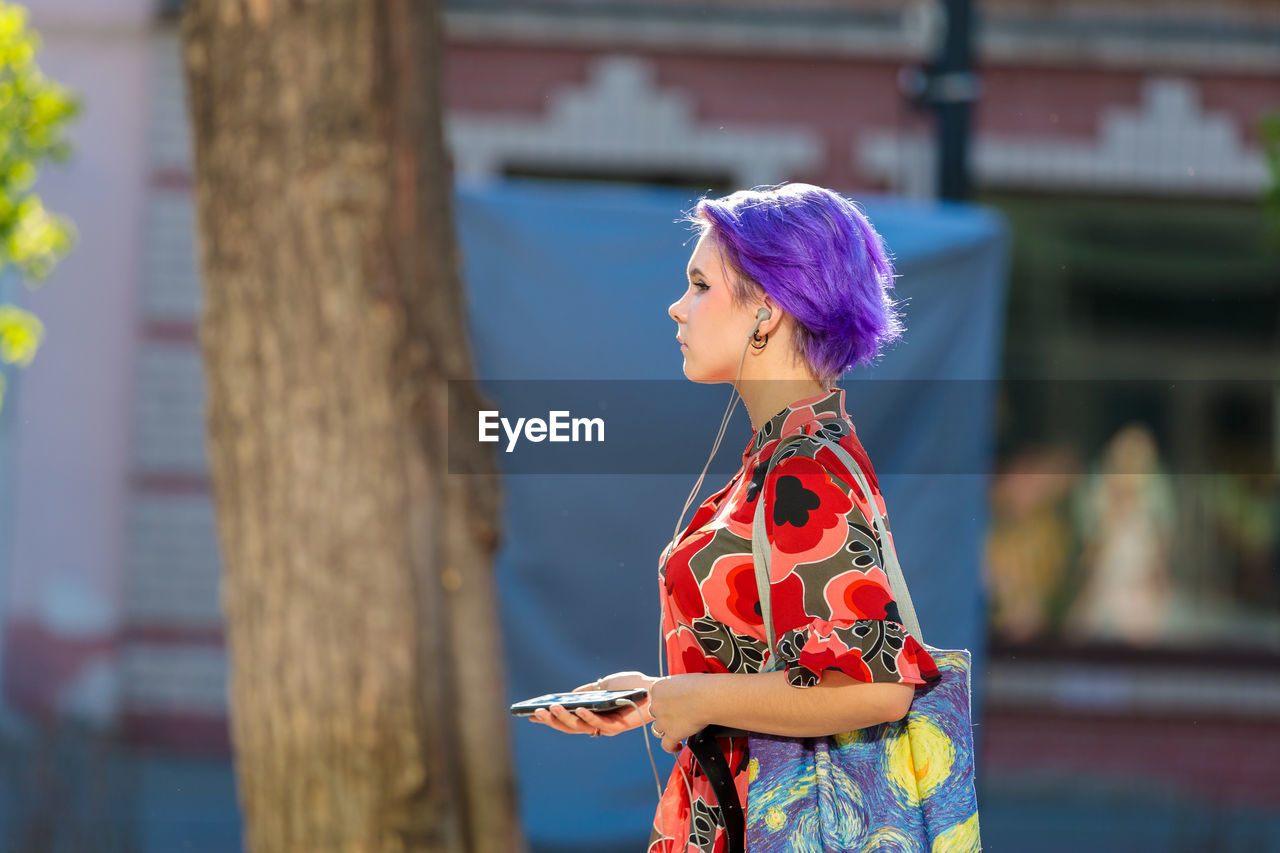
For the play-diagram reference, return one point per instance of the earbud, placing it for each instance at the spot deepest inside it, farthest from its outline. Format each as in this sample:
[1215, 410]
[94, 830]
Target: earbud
[761, 315]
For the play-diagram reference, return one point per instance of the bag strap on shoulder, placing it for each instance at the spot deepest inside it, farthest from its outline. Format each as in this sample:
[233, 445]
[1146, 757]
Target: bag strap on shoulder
[760, 547]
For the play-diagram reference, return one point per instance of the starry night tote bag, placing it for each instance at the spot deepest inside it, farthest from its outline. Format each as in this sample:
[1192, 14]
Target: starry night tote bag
[906, 786]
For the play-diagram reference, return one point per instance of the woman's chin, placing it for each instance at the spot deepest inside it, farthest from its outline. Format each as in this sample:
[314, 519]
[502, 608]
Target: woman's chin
[702, 378]
[692, 373]
[700, 374]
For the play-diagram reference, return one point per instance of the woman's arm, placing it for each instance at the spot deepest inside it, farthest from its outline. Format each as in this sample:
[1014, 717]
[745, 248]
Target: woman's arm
[764, 702]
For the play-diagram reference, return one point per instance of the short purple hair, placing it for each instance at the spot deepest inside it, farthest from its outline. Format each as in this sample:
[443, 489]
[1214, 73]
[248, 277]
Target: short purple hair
[815, 254]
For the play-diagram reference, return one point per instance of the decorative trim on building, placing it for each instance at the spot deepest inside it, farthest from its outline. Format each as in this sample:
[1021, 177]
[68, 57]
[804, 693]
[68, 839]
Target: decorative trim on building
[1168, 146]
[621, 121]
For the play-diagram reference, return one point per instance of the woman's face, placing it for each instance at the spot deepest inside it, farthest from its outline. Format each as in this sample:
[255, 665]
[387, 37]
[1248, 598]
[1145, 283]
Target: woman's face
[715, 332]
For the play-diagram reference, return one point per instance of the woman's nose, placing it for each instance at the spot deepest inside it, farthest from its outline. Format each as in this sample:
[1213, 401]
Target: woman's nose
[674, 310]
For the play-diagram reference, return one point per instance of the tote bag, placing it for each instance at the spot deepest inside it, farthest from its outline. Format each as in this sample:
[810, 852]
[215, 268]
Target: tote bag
[905, 786]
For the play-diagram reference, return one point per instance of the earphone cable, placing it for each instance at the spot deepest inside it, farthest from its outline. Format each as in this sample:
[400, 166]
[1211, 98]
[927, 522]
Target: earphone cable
[657, 780]
[735, 395]
[761, 316]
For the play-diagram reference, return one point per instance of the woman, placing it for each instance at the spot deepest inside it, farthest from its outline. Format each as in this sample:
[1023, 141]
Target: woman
[812, 261]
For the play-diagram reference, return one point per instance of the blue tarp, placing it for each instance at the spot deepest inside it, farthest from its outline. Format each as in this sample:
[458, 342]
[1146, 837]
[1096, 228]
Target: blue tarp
[572, 282]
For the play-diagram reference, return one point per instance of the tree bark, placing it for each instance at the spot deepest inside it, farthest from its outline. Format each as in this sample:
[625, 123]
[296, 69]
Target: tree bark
[366, 689]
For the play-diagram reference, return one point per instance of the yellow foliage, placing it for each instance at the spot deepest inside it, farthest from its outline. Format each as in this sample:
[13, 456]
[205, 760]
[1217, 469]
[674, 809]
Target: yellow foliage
[20, 335]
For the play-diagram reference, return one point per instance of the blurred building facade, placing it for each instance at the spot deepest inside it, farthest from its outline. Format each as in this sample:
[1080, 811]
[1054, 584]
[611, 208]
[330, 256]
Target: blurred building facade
[1122, 140]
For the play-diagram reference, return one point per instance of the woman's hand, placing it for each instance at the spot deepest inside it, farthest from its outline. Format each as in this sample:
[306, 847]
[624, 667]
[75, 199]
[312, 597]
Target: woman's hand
[585, 722]
[677, 705]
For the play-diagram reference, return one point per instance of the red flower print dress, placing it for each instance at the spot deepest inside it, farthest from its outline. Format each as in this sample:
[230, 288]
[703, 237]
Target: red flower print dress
[832, 607]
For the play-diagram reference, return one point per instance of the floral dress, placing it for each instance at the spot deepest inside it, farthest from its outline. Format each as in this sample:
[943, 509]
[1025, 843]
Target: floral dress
[831, 602]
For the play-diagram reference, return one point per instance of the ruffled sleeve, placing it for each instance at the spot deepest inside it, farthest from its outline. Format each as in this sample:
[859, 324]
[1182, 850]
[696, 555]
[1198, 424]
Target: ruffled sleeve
[830, 597]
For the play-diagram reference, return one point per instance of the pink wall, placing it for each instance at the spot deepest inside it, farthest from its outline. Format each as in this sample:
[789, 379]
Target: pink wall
[73, 412]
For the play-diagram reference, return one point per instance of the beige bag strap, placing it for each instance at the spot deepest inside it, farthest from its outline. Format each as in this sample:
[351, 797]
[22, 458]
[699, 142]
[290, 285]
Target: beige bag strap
[760, 548]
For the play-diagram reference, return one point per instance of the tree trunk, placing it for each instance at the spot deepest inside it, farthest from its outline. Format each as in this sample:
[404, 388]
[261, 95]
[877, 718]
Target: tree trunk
[367, 701]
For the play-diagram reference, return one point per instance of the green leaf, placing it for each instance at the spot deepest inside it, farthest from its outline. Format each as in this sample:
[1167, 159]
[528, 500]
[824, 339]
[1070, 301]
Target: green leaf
[20, 335]
[34, 115]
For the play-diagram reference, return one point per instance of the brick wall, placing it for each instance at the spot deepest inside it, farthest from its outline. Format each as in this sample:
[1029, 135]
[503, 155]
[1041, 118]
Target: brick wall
[173, 664]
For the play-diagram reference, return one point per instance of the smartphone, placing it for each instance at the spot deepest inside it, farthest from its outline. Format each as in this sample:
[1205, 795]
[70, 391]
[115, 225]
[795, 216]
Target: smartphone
[600, 701]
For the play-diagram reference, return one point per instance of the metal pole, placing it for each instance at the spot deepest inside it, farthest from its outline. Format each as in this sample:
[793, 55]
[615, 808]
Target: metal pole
[952, 88]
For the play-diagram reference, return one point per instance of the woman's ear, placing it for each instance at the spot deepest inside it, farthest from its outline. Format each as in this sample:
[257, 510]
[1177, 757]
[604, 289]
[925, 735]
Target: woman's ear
[773, 320]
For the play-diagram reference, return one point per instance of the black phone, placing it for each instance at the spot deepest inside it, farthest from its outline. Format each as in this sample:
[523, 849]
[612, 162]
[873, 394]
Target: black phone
[600, 701]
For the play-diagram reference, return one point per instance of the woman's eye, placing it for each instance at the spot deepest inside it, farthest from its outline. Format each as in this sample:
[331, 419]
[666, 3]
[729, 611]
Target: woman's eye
[701, 286]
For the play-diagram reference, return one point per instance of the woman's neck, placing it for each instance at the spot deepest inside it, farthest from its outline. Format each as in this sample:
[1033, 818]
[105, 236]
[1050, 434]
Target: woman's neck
[766, 397]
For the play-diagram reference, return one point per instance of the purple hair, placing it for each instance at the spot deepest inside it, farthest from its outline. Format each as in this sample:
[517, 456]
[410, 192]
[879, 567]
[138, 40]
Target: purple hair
[814, 252]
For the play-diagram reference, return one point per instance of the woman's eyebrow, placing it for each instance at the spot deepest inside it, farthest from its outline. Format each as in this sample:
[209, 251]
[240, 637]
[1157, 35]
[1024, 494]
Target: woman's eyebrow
[695, 271]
